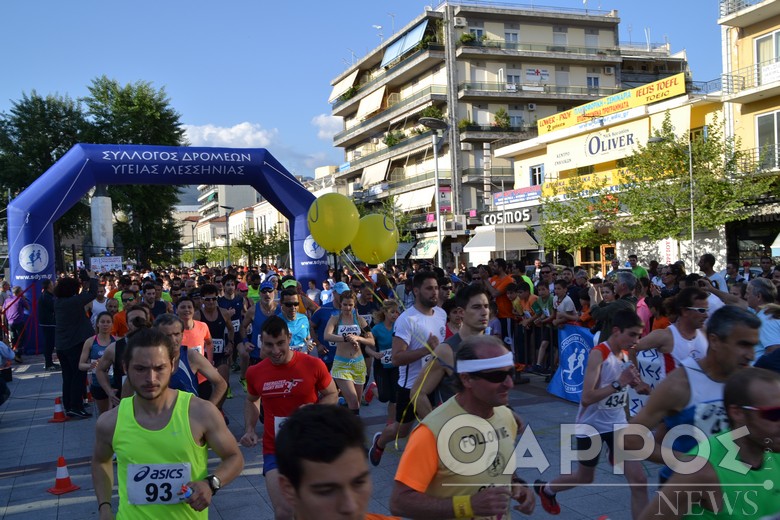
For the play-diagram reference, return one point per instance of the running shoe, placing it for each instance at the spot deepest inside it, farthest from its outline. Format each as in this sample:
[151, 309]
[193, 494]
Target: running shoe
[229, 394]
[53, 368]
[549, 503]
[370, 393]
[243, 383]
[235, 367]
[375, 452]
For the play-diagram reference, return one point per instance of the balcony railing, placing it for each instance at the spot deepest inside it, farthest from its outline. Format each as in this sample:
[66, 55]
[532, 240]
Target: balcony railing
[397, 107]
[764, 158]
[751, 77]
[728, 7]
[541, 47]
[529, 129]
[382, 74]
[539, 89]
[425, 136]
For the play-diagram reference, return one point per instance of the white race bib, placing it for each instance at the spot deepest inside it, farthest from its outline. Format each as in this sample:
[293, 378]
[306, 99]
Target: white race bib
[299, 348]
[387, 357]
[277, 424]
[617, 400]
[236, 325]
[219, 345]
[156, 483]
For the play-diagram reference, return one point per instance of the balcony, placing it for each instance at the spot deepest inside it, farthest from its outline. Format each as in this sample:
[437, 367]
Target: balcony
[518, 92]
[547, 51]
[476, 176]
[402, 185]
[353, 134]
[397, 73]
[405, 146]
[744, 13]
[753, 83]
[763, 159]
[208, 193]
[492, 133]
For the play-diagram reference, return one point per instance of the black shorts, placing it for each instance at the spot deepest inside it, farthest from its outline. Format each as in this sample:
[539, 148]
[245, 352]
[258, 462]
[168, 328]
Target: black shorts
[403, 399]
[221, 359]
[97, 392]
[584, 443]
[386, 382]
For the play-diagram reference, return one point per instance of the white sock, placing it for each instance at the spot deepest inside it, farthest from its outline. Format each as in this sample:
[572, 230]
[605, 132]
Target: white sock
[548, 491]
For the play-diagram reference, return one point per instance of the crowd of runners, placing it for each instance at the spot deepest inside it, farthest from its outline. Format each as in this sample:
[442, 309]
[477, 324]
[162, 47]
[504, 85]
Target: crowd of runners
[442, 348]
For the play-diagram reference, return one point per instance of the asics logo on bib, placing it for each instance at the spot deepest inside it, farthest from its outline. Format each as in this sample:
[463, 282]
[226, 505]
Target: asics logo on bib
[158, 474]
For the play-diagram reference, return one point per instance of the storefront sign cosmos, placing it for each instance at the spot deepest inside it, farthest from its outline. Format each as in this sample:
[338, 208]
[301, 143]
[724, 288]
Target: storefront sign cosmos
[513, 216]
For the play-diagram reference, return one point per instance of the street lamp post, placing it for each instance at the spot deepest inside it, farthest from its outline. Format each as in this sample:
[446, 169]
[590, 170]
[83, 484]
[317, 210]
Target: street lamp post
[690, 192]
[193, 245]
[436, 124]
[228, 211]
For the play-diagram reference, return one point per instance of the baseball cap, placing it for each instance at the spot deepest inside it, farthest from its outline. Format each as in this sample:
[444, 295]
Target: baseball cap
[267, 285]
[340, 287]
[289, 283]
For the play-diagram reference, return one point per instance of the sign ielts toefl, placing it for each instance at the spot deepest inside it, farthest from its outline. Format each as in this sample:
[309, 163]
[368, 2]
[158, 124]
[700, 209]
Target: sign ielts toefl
[650, 93]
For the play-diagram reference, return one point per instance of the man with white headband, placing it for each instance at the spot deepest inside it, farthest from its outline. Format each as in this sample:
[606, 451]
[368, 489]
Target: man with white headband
[459, 462]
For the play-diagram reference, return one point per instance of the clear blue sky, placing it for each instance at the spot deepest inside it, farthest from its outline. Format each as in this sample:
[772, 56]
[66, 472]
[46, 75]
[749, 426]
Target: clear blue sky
[251, 73]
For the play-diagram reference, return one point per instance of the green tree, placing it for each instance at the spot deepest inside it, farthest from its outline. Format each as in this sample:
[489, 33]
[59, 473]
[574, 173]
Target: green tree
[34, 134]
[139, 114]
[577, 215]
[657, 191]
[251, 243]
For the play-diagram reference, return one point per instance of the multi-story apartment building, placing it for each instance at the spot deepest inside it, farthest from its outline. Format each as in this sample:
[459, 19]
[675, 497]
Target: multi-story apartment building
[490, 72]
[212, 196]
[750, 32]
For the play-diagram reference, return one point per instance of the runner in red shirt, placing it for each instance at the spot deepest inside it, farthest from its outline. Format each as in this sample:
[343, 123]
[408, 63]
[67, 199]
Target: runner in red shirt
[285, 380]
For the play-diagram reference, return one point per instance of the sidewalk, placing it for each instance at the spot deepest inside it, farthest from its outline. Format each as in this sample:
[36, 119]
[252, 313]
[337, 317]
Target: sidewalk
[31, 446]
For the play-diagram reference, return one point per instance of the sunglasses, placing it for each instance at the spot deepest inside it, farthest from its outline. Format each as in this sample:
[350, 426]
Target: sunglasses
[210, 299]
[769, 413]
[495, 377]
[267, 291]
[446, 288]
[125, 300]
[545, 272]
[290, 304]
[700, 310]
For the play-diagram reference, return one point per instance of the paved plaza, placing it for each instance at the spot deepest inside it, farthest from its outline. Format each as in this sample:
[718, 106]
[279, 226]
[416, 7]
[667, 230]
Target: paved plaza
[31, 446]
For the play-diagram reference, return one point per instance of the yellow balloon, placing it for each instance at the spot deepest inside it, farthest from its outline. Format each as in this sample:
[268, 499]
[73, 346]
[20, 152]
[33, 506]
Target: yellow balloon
[376, 239]
[333, 221]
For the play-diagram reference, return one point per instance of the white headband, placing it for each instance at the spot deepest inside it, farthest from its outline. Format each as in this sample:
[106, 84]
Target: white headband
[477, 365]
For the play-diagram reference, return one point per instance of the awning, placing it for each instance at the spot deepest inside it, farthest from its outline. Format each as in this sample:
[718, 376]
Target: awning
[342, 86]
[403, 249]
[426, 248]
[370, 104]
[375, 173]
[404, 43]
[422, 198]
[491, 238]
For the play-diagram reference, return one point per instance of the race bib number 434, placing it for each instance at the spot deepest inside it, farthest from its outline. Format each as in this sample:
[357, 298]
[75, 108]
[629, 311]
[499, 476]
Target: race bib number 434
[156, 483]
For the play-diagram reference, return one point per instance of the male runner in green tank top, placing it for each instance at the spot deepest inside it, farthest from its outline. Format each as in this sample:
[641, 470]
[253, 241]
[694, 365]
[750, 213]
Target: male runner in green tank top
[740, 476]
[161, 438]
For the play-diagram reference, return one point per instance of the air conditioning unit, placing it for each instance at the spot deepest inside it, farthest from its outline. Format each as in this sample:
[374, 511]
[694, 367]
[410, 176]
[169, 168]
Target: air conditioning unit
[460, 22]
[374, 140]
[531, 107]
[511, 87]
[609, 70]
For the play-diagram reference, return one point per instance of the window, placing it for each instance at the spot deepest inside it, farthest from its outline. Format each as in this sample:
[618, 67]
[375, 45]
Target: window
[515, 117]
[478, 33]
[513, 79]
[768, 134]
[593, 82]
[560, 37]
[511, 37]
[585, 170]
[537, 174]
[767, 48]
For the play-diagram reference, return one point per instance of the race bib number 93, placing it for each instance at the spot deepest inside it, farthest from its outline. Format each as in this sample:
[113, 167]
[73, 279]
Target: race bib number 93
[156, 483]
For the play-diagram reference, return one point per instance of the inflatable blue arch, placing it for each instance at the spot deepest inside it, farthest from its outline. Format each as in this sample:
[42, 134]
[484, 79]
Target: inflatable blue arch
[32, 214]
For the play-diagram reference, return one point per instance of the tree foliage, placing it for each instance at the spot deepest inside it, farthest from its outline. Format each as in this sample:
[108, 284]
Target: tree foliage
[139, 114]
[34, 134]
[262, 246]
[652, 200]
[657, 190]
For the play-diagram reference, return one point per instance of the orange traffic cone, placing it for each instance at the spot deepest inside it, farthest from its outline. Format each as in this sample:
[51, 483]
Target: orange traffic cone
[59, 415]
[63, 483]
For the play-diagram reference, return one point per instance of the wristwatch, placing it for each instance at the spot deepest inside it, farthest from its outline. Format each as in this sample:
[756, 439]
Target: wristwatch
[616, 386]
[214, 483]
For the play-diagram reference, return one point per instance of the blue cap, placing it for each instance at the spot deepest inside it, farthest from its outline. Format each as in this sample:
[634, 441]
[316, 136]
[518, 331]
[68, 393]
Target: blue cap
[455, 279]
[340, 287]
[267, 285]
